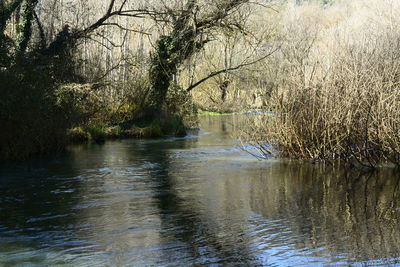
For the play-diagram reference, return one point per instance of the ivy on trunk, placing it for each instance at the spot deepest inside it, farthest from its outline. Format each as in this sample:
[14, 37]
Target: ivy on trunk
[191, 30]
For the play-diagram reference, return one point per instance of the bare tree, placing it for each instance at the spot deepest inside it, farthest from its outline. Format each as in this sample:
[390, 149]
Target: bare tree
[67, 38]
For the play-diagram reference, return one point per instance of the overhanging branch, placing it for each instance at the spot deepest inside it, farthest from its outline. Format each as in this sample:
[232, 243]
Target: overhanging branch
[215, 73]
[136, 13]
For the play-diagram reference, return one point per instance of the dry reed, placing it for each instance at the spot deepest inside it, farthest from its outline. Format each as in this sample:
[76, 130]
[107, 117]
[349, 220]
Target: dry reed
[336, 90]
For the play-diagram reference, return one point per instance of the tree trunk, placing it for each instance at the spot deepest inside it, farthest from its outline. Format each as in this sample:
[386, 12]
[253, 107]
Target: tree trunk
[26, 25]
[224, 90]
[162, 71]
[189, 35]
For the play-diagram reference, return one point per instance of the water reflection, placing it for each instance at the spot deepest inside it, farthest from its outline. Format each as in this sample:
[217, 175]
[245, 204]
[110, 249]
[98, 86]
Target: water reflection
[195, 200]
[333, 215]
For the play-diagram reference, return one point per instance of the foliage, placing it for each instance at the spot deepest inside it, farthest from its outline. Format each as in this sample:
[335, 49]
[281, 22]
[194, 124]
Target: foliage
[151, 131]
[96, 133]
[31, 120]
[34, 117]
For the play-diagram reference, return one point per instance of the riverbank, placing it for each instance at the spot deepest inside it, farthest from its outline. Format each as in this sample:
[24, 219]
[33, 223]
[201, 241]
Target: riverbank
[100, 132]
[170, 126]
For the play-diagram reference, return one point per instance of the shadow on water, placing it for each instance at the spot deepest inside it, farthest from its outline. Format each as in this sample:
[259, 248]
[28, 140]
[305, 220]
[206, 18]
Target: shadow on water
[183, 226]
[195, 200]
[35, 208]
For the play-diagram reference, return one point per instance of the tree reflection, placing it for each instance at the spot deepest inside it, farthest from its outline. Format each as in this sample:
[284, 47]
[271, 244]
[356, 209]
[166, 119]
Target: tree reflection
[184, 226]
[346, 213]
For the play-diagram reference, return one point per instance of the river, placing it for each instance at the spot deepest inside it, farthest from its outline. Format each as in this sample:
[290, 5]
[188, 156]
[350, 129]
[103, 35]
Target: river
[198, 200]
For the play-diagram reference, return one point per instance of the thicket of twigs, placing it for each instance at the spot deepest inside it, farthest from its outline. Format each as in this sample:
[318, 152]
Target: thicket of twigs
[336, 93]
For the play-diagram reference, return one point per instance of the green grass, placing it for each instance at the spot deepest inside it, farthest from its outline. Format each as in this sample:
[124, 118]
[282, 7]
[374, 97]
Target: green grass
[212, 113]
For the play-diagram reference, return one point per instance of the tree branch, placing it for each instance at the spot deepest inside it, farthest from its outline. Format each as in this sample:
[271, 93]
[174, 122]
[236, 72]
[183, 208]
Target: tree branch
[137, 13]
[125, 29]
[215, 73]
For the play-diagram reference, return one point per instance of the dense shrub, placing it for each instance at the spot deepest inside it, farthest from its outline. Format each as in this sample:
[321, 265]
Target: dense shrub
[31, 119]
[337, 94]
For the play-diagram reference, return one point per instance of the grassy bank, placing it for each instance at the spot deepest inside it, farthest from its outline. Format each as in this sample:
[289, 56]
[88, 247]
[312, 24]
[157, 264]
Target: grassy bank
[40, 116]
[212, 113]
[100, 132]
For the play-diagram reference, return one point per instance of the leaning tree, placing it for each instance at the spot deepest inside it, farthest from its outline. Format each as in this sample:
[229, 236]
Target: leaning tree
[189, 26]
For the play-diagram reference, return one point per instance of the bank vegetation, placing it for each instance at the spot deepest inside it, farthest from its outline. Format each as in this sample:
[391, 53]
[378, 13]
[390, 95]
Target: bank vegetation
[335, 95]
[88, 70]
[328, 72]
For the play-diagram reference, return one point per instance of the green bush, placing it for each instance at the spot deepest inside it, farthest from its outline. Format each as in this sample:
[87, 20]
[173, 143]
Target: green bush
[31, 119]
[78, 135]
[174, 125]
[97, 133]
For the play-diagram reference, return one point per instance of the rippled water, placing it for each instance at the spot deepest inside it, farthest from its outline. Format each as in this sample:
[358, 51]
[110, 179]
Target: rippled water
[195, 200]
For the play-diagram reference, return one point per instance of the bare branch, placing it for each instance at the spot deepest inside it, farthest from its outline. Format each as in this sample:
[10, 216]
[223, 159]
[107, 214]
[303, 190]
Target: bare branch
[126, 29]
[215, 73]
[135, 13]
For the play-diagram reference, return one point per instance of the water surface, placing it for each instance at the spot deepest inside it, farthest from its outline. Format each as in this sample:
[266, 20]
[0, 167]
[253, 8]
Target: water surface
[194, 200]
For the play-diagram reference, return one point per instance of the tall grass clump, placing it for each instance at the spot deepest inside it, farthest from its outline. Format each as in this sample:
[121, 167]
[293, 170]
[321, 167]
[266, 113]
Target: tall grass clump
[336, 92]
